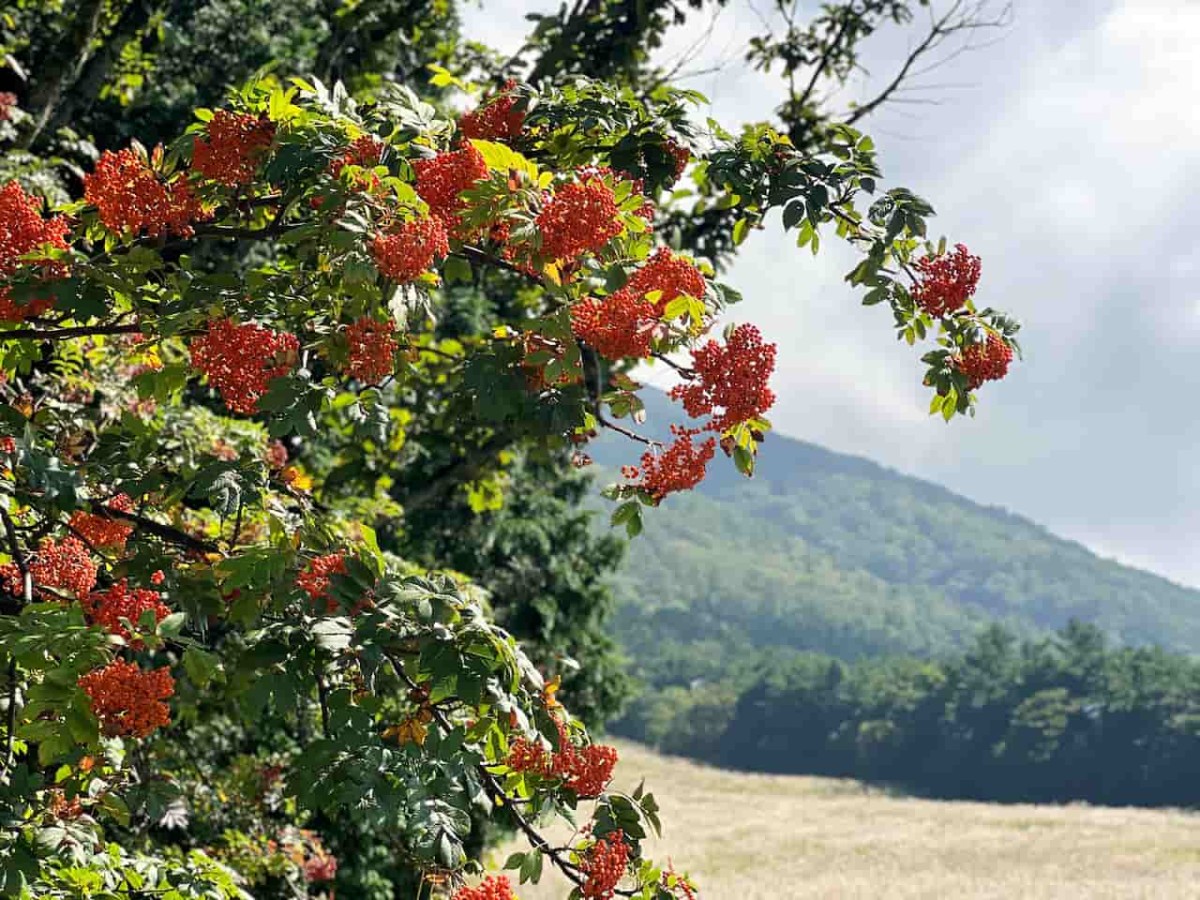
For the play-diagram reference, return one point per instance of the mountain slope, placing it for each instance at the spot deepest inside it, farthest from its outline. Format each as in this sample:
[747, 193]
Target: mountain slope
[827, 552]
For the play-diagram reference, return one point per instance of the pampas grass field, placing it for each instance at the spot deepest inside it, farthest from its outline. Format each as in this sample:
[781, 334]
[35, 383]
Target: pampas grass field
[754, 837]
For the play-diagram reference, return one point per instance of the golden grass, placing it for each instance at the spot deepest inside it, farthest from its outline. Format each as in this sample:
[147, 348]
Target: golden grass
[753, 837]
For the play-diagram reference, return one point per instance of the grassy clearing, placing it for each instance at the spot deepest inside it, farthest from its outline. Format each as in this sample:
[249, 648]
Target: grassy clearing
[753, 837]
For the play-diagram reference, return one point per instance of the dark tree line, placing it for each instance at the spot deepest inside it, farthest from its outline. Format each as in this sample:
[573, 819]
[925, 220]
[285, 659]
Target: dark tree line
[1063, 718]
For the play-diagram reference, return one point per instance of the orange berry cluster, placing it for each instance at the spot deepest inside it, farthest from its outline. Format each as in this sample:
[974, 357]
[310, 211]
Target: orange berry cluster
[406, 252]
[619, 326]
[586, 771]
[22, 231]
[130, 197]
[62, 564]
[240, 361]
[604, 866]
[579, 217]
[314, 580]
[670, 275]
[372, 350]
[102, 531]
[494, 887]
[947, 282]
[235, 145]
[496, 119]
[441, 179]
[108, 608]
[731, 378]
[985, 362]
[127, 700]
[680, 467]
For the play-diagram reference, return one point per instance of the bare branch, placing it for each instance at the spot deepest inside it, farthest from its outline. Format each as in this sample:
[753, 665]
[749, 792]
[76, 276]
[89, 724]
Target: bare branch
[961, 18]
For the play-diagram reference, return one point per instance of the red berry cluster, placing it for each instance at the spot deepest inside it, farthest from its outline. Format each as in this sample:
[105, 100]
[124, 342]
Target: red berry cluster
[108, 608]
[604, 866]
[947, 282]
[366, 152]
[732, 378]
[235, 145]
[8, 101]
[372, 350]
[64, 565]
[585, 770]
[495, 119]
[441, 179]
[242, 360]
[579, 217]
[619, 326]
[678, 468]
[406, 252]
[130, 197]
[678, 885]
[985, 362]
[314, 580]
[494, 887]
[22, 231]
[276, 455]
[128, 701]
[321, 866]
[8, 445]
[670, 275]
[680, 156]
[102, 531]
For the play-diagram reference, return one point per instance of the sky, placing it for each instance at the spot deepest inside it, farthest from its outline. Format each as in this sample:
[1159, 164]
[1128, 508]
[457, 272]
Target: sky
[1066, 153]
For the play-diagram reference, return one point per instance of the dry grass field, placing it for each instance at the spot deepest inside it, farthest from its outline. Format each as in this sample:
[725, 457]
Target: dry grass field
[753, 837]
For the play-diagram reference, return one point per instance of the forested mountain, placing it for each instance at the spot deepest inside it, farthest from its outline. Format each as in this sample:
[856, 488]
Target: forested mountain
[832, 553]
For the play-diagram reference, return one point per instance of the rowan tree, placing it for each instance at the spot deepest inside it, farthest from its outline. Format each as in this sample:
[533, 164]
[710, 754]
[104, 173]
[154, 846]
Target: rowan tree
[253, 378]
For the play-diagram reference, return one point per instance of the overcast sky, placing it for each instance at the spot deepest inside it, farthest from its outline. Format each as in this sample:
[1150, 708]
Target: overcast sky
[1067, 155]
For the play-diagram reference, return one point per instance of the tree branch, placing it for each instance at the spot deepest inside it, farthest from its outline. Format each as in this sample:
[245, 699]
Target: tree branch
[62, 334]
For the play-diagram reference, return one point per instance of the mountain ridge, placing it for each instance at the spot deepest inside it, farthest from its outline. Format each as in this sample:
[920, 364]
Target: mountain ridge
[837, 553]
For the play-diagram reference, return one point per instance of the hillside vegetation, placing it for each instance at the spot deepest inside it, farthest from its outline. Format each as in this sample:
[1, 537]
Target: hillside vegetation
[760, 837]
[832, 553]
